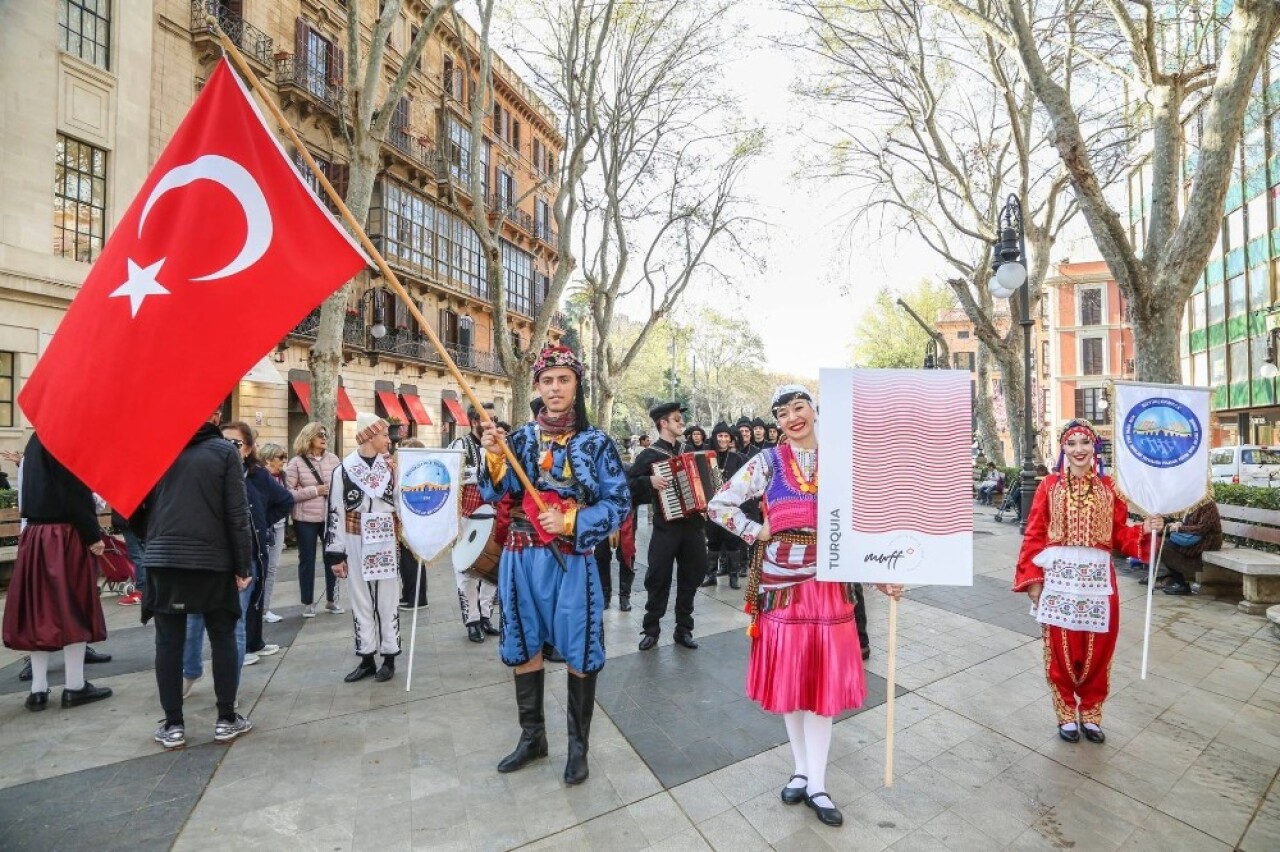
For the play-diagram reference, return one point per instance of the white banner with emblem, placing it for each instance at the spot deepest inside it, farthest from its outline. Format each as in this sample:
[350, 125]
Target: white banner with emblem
[1161, 449]
[428, 497]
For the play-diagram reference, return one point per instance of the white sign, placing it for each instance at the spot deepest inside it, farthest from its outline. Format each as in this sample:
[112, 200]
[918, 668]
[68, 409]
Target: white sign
[428, 496]
[895, 467]
[1161, 449]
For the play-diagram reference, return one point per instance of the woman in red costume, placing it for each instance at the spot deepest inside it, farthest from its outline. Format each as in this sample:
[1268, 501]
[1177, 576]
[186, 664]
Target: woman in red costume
[1076, 522]
[806, 663]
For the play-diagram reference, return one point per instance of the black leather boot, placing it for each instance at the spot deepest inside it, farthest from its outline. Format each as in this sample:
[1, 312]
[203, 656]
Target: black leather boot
[713, 569]
[624, 594]
[367, 667]
[387, 671]
[581, 704]
[738, 568]
[533, 727]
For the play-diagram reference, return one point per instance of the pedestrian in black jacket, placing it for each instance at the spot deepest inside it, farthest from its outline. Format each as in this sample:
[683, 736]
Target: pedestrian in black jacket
[199, 556]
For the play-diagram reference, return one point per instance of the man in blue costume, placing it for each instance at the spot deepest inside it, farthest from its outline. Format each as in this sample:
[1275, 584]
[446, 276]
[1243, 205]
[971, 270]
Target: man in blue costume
[551, 592]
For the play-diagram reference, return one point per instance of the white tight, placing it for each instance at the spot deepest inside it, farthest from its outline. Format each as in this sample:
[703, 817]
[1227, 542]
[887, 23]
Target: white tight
[74, 660]
[810, 736]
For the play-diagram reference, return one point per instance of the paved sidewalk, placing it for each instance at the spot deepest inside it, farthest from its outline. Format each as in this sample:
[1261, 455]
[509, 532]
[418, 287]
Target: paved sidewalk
[679, 759]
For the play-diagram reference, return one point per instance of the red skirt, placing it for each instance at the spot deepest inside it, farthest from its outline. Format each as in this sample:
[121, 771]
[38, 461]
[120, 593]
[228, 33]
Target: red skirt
[53, 597]
[807, 656]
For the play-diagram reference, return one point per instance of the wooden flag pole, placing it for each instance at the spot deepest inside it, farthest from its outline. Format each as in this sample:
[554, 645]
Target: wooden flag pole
[891, 688]
[357, 230]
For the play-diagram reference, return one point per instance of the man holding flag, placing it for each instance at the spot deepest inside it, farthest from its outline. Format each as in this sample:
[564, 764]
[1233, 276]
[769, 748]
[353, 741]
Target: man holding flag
[548, 582]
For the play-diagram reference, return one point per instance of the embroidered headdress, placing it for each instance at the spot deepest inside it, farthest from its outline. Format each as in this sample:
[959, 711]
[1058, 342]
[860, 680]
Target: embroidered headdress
[1079, 426]
[784, 394]
[368, 425]
[557, 356]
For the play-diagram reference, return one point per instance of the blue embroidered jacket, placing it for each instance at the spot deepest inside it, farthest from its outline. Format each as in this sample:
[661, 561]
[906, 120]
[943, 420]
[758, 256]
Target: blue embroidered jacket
[599, 483]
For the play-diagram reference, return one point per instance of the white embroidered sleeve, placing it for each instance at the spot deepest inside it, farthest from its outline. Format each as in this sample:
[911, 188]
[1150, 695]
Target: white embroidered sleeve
[748, 483]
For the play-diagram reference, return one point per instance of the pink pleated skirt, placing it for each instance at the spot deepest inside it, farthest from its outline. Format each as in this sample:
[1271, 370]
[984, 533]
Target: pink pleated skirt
[807, 656]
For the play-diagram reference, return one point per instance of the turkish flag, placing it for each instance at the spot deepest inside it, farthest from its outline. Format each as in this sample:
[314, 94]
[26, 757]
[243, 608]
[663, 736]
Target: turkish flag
[222, 252]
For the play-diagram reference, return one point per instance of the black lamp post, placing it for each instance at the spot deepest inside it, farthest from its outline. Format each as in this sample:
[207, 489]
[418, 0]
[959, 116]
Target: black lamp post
[1010, 277]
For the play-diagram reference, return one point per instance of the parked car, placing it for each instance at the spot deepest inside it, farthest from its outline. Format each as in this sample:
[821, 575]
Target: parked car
[1246, 464]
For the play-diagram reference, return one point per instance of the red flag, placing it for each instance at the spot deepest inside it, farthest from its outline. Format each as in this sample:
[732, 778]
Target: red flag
[221, 253]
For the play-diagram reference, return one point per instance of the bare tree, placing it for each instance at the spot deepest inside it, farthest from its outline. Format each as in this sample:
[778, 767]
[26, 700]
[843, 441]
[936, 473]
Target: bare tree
[662, 194]
[943, 127]
[1173, 60]
[568, 47]
[367, 113]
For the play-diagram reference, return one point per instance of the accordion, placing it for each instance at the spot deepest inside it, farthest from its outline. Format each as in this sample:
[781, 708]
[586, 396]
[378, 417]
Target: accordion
[694, 478]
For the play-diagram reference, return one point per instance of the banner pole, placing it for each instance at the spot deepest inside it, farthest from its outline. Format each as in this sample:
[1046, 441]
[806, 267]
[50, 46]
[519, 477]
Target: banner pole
[357, 230]
[1151, 585]
[413, 632]
[891, 688]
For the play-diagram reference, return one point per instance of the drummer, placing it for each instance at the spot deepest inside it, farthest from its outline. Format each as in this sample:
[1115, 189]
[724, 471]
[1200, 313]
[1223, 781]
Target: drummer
[476, 593]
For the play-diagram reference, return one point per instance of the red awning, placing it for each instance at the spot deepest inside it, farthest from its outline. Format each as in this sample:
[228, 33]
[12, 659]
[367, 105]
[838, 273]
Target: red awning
[455, 410]
[303, 390]
[391, 404]
[346, 411]
[416, 409]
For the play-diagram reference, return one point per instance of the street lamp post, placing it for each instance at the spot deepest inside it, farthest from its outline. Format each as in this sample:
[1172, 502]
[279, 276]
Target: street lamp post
[1010, 277]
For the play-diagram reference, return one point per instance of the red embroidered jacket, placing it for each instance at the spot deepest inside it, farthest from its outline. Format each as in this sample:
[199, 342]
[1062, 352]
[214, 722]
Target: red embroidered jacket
[1106, 527]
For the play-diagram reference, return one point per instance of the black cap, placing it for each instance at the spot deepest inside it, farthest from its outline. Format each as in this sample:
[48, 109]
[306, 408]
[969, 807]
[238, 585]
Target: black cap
[743, 421]
[722, 427]
[688, 433]
[662, 409]
[759, 421]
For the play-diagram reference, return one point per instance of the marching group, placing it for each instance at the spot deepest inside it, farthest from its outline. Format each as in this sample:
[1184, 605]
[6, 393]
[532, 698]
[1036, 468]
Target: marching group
[558, 503]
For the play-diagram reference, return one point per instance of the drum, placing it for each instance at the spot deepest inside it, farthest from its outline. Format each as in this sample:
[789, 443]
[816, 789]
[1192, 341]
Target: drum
[476, 550]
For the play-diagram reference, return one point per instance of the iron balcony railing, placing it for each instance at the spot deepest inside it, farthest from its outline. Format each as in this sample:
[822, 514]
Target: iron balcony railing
[243, 34]
[546, 233]
[309, 325]
[413, 148]
[310, 79]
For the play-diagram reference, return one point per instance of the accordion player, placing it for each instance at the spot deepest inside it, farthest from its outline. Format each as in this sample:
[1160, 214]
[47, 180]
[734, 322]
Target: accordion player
[694, 477]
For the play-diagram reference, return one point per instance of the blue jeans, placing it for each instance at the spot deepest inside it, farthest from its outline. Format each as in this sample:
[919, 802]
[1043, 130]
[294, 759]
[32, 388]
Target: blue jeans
[133, 545]
[193, 650]
[309, 534]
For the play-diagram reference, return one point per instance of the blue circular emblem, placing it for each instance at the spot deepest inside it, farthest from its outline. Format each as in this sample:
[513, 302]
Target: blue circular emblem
[1162, 432]
[425, 487]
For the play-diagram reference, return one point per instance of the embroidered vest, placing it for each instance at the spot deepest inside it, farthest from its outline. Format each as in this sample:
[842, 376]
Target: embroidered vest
[786, 506]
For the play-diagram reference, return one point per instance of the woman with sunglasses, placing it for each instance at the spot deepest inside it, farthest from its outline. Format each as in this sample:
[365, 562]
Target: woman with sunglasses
[307, 476]
[806, 664]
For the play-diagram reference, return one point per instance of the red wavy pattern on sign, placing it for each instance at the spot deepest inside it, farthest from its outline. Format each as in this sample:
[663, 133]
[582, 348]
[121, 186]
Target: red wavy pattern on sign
[912, 456]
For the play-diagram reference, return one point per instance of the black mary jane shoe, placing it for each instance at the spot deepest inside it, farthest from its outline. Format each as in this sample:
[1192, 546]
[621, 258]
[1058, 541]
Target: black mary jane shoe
[647, 642]
[1094, 736]
[794, 795]
[474, 633]
[38, 701]
[1069, 736]
[686, 640]
[827, 816]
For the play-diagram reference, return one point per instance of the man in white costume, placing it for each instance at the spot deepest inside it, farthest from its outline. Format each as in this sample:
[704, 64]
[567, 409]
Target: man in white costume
[360, 540]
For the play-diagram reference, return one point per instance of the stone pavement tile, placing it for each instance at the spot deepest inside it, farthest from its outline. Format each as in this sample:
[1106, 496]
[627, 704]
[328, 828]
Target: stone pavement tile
[1220, 792]
[1162, 833]
[953, 833]
[1264, 832]
[1042, 781]
[1093, 817]
[1237, 677]
[773, 819]
[732, 832]
[819, 838]
[701, 799]
[915, 795]
[1001, 811]
[660, 817]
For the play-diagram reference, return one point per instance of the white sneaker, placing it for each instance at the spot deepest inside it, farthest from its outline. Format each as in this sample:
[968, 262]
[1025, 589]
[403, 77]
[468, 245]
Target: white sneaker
[250, 659]
[333, 608]
[189, 684]
[309, 612]
[267, 650]
[272, 618]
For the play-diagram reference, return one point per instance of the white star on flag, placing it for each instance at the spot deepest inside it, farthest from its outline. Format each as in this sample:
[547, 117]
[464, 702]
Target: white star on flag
[141, 284]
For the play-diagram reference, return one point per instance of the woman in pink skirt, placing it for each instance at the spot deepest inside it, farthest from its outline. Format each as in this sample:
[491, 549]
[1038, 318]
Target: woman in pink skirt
[806, 662]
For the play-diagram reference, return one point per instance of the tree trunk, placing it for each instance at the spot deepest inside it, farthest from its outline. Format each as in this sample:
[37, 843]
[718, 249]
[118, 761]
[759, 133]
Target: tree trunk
[1014, 399]
[1156, 338]
[326, 353]
[988, 434]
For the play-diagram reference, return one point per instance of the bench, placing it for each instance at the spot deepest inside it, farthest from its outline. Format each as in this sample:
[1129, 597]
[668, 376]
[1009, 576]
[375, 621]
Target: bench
[1273, 615]
[1225, 569]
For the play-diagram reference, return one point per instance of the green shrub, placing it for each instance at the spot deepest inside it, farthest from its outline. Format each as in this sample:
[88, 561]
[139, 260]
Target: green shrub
[1246, 495]
[8, 498]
